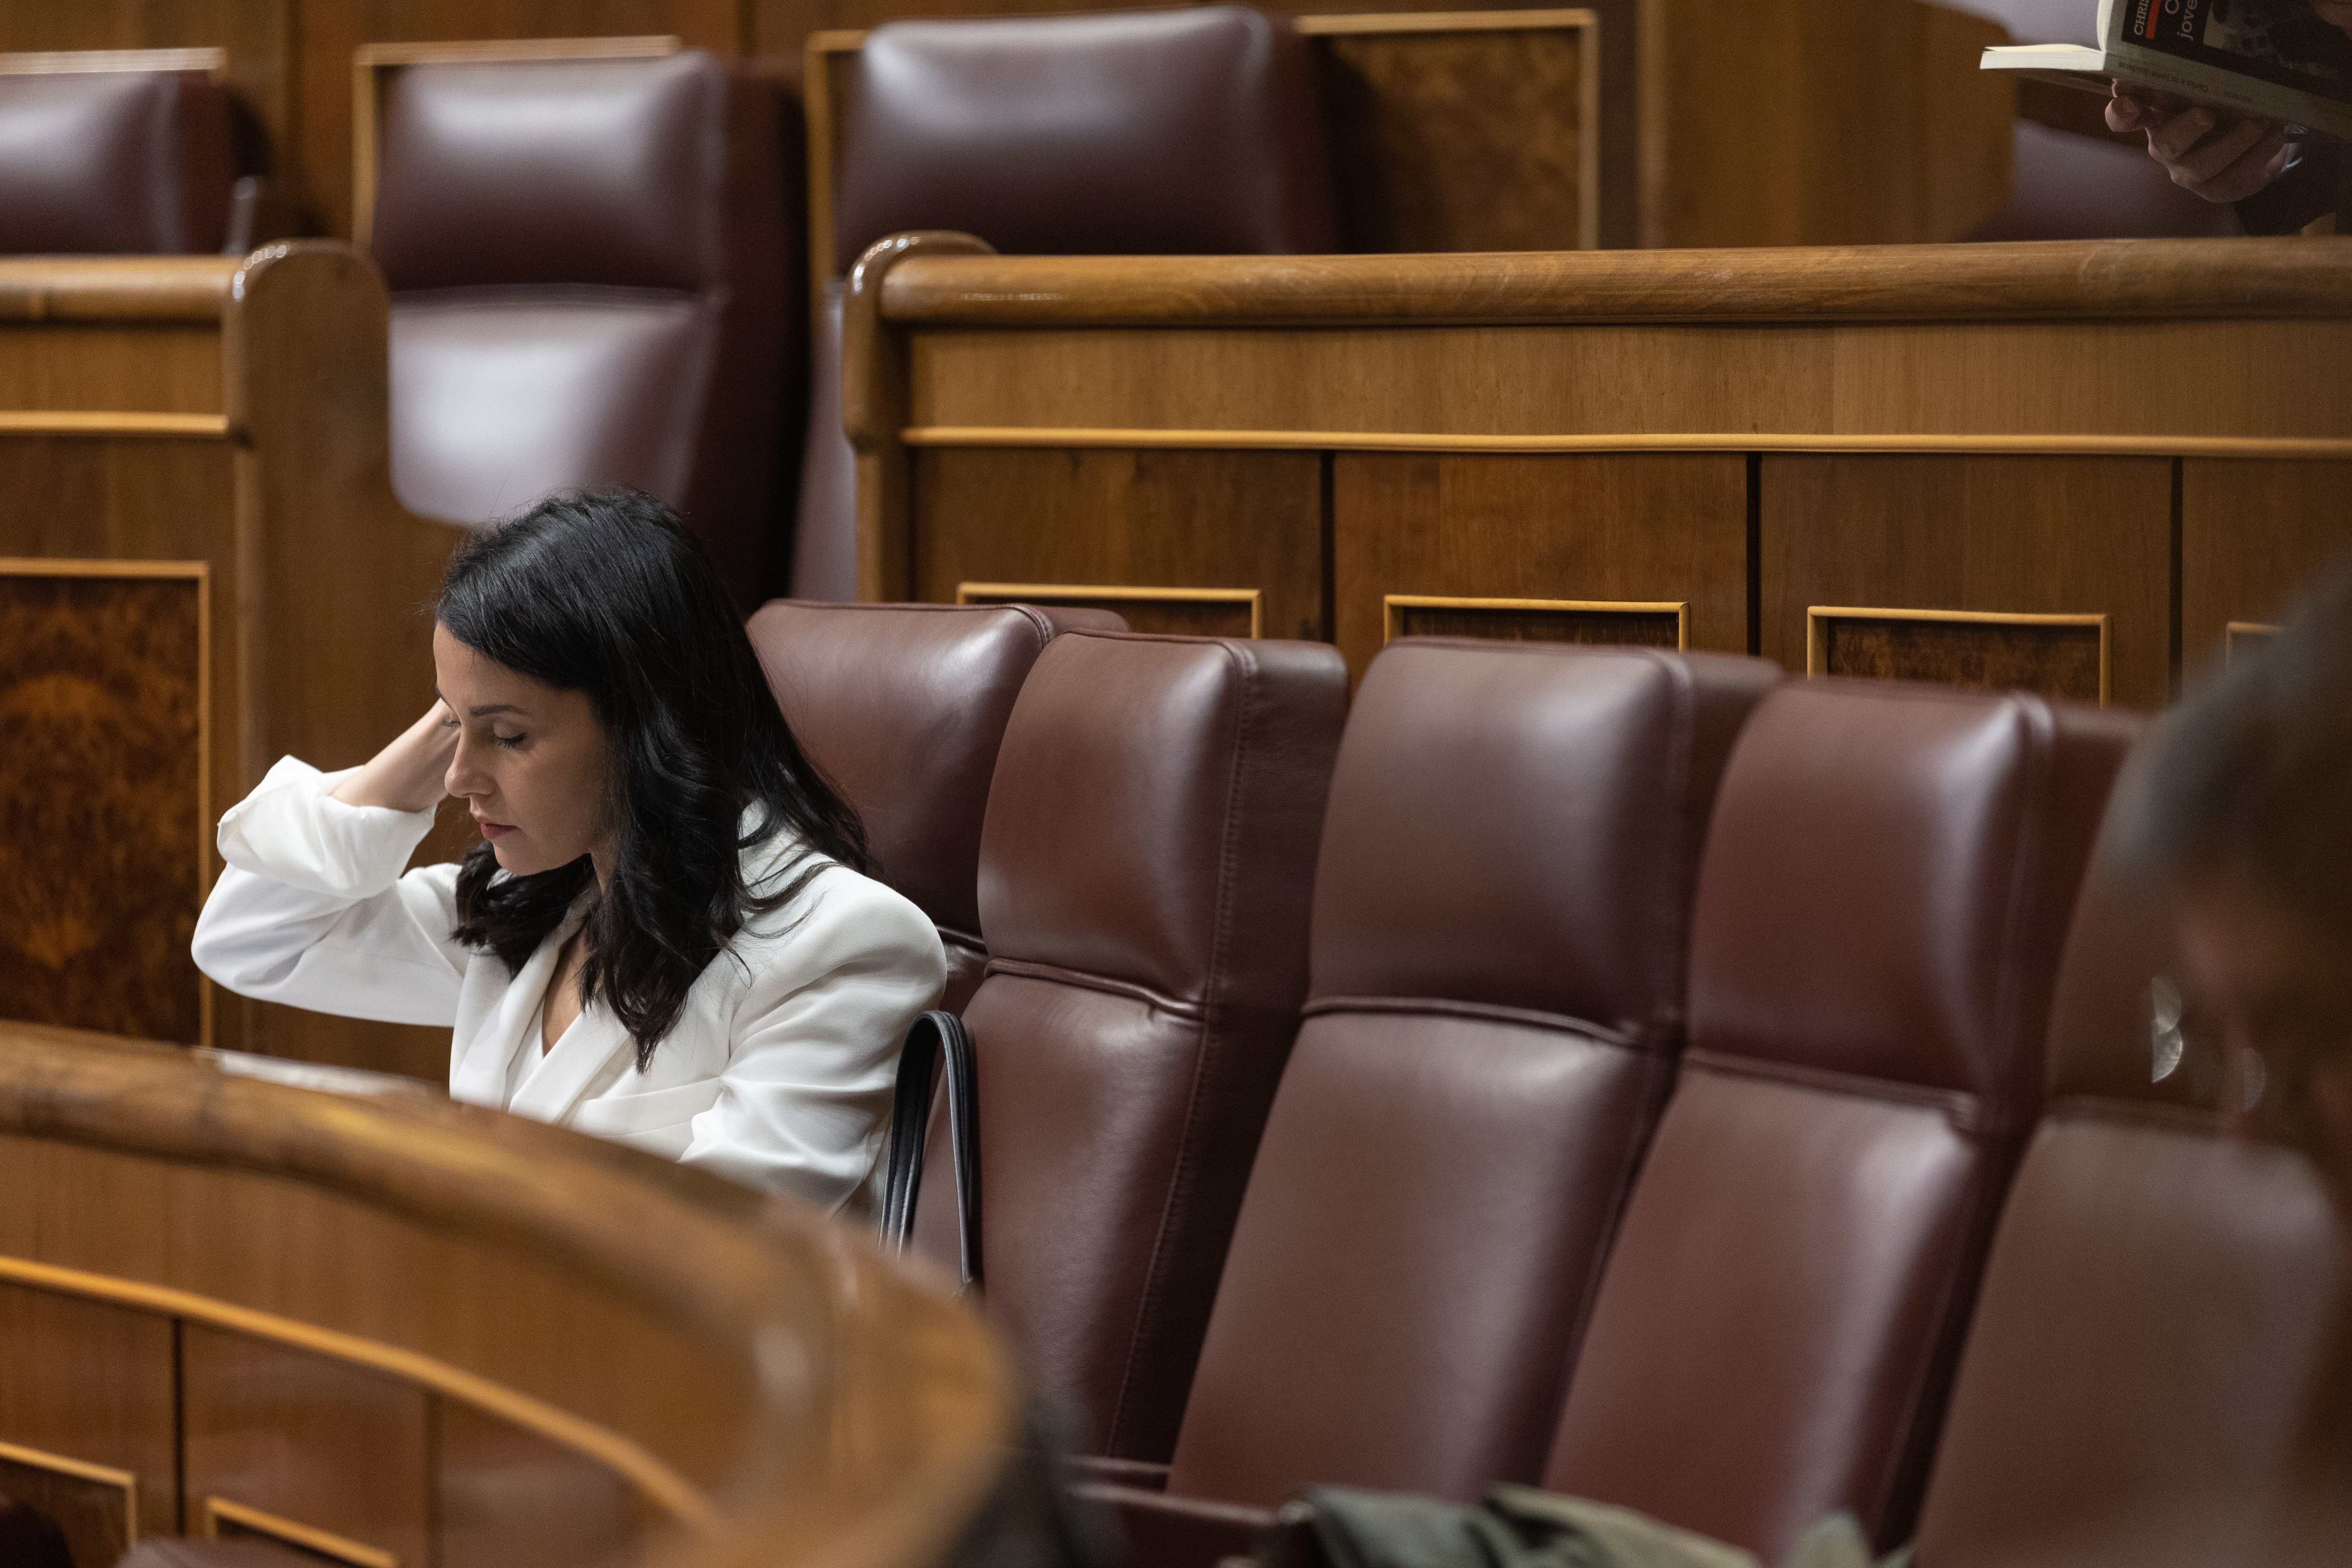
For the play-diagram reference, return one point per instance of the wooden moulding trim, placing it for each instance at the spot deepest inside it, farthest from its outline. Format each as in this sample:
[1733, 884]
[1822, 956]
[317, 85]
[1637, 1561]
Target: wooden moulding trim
[1819, 616]
[212, 63]
[1070, 593]
[1445, 22]
[2063, 281]
[621, 1455]
[83, 1470]
[1632, 441]
[1394, 606]
[111, 422]
[131, 289]
[369, 61]
[310, 1538]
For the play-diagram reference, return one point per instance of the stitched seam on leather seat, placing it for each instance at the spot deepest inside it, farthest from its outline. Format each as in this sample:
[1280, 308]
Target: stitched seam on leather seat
[1966, 1110]
[1027, 969]
[1477, 1012]
[1182, 1178]
[2187, 1120]
[2009, 999]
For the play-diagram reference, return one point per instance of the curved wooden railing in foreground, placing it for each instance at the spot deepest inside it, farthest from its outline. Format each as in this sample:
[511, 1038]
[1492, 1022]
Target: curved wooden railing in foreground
[398, 1330]
[2072, 467]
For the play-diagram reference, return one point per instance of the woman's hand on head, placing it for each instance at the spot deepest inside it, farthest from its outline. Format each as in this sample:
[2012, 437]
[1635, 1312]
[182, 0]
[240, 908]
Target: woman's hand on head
[2220, 156]
[409, 774]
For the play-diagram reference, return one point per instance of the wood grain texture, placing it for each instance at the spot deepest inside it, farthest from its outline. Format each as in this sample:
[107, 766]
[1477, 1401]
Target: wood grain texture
[91, 1382]
[1467, 141]
[510, 1498]
[2062, 661]
[102, 815]
[2033, 535]
[1505, 622]
[1168, 519]
[2253, 535]
[307, 1438]
[2077, 279]
[1613, 528]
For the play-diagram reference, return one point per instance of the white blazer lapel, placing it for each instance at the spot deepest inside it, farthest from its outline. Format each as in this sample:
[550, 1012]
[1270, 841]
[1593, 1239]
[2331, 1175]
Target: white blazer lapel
[588, 1059]
[479, 1076]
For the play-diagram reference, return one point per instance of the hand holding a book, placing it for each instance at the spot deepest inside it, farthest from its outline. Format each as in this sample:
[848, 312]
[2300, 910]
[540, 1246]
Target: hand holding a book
[2219, 156]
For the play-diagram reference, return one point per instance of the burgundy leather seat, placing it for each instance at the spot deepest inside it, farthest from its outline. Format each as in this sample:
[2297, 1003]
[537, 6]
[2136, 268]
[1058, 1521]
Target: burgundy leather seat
[1145, 874]
[1187, 132]
[1501, 916]
[590, 271]
[113, 162]
[2157, 1312]
[902, 707]
[1885, 887]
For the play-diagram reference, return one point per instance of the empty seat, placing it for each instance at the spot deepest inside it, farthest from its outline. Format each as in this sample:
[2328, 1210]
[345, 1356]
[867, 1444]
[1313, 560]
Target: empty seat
[1145, 873]
[2157, 1313]
[1886, 885]
[590, 276]
[1501, 918]
[1186, 132]
[113, 162]
[902, 707]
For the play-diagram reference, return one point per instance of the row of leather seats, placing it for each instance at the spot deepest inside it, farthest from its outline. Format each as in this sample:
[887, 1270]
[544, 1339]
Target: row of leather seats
[1605, 1069]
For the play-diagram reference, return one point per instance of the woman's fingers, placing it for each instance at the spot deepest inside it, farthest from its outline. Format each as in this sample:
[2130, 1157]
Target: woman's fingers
[2234, 165]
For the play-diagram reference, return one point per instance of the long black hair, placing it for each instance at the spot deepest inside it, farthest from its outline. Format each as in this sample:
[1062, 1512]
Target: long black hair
[608, 594]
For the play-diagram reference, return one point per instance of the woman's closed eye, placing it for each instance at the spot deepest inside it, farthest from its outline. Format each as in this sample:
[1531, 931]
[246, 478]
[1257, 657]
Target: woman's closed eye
[510, 742]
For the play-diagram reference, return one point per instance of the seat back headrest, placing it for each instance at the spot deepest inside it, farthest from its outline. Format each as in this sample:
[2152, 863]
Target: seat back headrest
[553, 171]
[1888, 880]
[1186, 132]
[1518, 825]
[1158, 799]
[113, 162]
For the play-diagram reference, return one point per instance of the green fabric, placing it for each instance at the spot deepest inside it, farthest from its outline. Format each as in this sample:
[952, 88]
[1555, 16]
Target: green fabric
[1520, 1527]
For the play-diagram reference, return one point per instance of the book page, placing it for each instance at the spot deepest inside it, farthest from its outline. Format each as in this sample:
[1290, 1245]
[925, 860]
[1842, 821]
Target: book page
[2278, 41]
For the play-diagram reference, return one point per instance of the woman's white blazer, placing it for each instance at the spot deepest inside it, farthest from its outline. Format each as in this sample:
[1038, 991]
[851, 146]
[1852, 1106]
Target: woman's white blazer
[779, 1071]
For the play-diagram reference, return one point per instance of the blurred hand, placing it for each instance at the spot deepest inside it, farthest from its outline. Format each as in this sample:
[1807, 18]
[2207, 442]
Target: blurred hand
[2220, 156]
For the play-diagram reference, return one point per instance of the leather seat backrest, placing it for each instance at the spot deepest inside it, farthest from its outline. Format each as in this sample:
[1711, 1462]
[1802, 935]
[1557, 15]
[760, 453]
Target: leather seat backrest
[2158, 1307]
[591, 286]
[1139, 132]
[113, 162]
[1501, 917]
[902, 707]
[1885, 886]
[1145, 873]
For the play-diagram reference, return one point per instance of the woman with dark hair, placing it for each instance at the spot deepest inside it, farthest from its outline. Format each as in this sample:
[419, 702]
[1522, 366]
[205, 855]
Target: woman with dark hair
[665, 938]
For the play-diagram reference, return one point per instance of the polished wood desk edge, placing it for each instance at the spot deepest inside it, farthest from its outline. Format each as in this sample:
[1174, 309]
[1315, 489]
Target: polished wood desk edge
[1987, 443]
[2072, 280]
[194, 289]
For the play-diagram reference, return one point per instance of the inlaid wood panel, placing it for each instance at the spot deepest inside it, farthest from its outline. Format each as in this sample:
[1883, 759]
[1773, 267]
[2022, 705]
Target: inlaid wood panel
[103, 808]
[510, 1498]
[2252, 536]
[2030, 535]
[2063, 656]
[1642, 528]
[147, 369]
[1153, 520]
[309, 1440]
[1182, 612]
[1470, 140]
[91, 1383]
[1537, 620]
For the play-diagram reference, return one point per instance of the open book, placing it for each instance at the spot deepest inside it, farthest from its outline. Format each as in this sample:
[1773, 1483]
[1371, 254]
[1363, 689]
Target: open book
[2274, 58]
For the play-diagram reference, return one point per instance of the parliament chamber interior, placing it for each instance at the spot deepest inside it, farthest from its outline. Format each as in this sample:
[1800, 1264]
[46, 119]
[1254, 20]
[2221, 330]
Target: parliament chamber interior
[1510, 738]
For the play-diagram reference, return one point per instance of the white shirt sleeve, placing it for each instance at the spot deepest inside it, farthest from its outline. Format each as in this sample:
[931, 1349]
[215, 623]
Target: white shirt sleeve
[313, 910]
[804, 1101]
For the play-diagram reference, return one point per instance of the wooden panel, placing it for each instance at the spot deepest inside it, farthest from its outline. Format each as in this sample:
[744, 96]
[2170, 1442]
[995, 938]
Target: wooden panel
[2030, 535]
[1642, 528]
[316, 1441]
[103, 792]
[1480, 139]
[1182, 612]
[2056, 657]
[89, 1382]
[1537, 620]
[2251, 535]
[510, 1498]
[1167, 520]
[155, 369]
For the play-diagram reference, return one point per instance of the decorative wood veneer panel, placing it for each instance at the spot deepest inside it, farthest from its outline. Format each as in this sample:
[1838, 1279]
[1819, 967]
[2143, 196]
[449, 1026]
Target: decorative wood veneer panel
[1643, 527]
[88, 1381]
[1998, 656]
[1504, 621]
[102, 805]
[2253, 535]
[1157, 519]
[2015, 535]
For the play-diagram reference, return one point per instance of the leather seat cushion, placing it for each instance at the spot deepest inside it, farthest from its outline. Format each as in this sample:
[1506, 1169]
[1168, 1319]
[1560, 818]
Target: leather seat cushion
[502, 396]
[107, 163]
